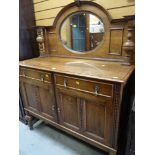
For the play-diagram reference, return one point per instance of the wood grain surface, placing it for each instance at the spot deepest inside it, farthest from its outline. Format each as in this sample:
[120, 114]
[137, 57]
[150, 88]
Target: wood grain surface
[109, 71]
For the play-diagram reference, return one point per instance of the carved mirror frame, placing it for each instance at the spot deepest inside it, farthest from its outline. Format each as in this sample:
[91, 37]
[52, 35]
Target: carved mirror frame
[89, 7]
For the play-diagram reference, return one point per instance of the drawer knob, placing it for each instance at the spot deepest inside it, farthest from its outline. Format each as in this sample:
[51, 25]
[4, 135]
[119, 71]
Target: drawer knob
[53, 108]
[42, 77]
[58, 110]
[77, 82]
[97, 89]
[47, 76]
[65, 83]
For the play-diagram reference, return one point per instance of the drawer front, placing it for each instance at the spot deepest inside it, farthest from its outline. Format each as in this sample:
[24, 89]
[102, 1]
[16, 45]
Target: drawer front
[94, 87]
[35, 74]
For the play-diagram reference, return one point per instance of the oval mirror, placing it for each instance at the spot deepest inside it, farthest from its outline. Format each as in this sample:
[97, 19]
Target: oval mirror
[82, 32]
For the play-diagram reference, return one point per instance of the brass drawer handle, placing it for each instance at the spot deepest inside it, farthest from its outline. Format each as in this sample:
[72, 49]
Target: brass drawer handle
[97, 89]
[65, 83]
[42, 77]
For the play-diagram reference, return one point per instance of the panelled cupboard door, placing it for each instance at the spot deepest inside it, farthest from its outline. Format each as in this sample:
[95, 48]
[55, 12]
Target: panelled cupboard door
[39, 97]
[68, 109]
[97, 118]
[85, 113]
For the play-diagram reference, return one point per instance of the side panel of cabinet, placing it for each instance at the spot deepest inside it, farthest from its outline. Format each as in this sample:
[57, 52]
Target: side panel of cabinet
[68, 109]
[39, 98]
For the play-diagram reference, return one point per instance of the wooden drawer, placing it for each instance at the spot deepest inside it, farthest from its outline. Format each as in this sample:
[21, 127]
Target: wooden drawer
[35, 74]
[93, 87]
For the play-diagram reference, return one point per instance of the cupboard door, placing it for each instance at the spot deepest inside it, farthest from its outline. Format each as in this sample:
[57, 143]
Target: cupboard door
[47, 100]
[97, 119]
[68, 109]
[30, 95]
[39, 98]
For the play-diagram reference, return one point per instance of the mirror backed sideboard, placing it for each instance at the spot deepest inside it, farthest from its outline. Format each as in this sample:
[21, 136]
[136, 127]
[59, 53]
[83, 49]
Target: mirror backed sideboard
[81, 79]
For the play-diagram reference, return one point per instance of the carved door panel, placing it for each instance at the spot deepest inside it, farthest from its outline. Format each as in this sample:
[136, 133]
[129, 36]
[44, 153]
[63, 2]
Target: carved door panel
[69, 109]
[97, 118]
[39, 97]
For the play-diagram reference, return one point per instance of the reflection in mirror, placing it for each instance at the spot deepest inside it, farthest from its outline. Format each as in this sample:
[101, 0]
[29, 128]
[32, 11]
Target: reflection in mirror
[82, 32]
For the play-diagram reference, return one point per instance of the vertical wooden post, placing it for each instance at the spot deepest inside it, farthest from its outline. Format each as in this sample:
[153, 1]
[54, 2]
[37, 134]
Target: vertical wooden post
[129, 45]
[40, 40]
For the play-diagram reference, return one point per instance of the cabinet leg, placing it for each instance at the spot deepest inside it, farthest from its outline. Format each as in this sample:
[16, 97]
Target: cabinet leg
[29, 119]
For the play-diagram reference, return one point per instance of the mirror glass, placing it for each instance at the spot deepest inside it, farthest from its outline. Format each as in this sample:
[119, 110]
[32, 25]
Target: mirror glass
[82, 32]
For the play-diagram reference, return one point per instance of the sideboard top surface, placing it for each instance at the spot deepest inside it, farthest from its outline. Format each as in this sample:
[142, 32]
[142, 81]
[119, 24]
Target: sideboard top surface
[102, 70]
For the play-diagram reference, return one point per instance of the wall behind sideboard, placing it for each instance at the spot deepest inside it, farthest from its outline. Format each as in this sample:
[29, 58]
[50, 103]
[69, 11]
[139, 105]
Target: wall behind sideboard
[28, 47]
[47, 10]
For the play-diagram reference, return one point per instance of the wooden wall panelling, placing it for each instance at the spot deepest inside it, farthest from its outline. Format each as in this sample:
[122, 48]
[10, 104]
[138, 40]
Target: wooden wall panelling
[46, 5]
[115, 3]
[45, 22]
[45, 9]
[38, 1]
[116, 40]
[48, 14]
[121, 12]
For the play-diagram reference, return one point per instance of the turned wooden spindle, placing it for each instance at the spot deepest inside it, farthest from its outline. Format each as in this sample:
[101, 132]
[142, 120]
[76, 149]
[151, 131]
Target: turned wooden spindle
[129, 45]
[40, 40]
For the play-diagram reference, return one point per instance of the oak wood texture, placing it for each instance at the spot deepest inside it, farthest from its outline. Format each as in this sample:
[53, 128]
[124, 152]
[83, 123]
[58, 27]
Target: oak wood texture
[38, 96]
[77, 107]
[37, 75]
[101, 70]
[68, 109]
[116, 40]
[110, 47]
[129, 45]
[84, 85]
[85, 113]
[79, 93]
